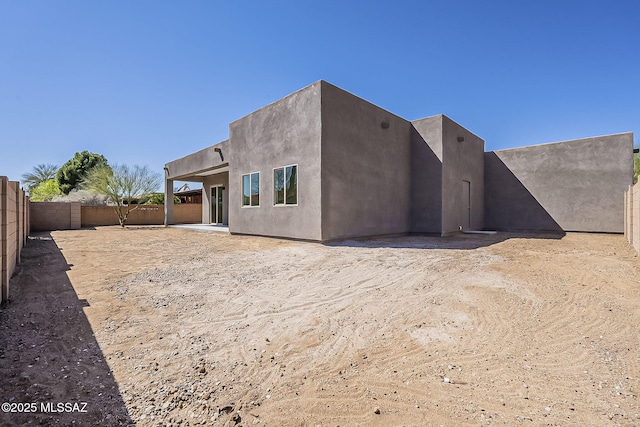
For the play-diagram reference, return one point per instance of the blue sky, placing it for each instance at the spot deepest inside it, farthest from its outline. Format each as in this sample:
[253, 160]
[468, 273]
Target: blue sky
[146, 82]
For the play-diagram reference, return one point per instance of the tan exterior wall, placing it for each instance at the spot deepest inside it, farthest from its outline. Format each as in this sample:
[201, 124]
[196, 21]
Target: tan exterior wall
[188, 213]
[632, 216]
[14, 229]
[47, 216]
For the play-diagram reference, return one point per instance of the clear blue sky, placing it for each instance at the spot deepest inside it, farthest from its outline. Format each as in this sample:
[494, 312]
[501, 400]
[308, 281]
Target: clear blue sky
[146, 82]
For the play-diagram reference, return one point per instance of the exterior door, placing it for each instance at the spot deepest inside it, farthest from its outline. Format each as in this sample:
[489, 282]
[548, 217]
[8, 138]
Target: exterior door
[466, 205]
[216, 205]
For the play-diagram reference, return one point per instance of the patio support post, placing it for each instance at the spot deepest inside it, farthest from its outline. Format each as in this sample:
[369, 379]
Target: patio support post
[168, 200]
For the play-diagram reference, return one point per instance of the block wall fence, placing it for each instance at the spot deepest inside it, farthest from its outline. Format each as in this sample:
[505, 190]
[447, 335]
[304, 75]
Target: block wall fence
[14, 229]
[47, 216]
[187, 213]
[632, 216]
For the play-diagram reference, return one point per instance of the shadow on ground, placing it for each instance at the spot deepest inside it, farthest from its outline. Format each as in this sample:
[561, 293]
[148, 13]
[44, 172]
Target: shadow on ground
[458, 241]
[48, 354]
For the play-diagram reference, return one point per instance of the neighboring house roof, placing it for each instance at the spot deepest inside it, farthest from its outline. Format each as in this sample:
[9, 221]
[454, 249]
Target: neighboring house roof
[196, 192]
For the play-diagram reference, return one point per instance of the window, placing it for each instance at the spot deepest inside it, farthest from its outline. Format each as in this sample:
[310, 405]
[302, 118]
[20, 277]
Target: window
[251, 189]
[285, 185]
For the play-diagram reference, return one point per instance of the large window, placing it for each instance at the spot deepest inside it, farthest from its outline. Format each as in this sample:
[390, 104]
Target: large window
[285, 185]
[251, 189]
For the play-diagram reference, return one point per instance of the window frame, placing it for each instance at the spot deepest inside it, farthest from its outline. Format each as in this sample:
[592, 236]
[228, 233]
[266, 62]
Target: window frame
[250, 175]
[284, 183]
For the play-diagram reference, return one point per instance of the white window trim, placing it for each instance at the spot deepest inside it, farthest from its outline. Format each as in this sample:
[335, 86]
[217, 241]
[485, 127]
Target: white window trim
[273, 193]
[242, 186]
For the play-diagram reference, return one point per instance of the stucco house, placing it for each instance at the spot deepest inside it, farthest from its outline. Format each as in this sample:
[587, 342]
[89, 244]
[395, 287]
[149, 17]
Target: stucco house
[323, 164]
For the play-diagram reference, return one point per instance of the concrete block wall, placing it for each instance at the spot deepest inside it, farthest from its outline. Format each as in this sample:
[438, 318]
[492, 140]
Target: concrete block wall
[47, 216]
[93, 216]
[188, 213]
[635, 217]
[632, 216]
[14, 230]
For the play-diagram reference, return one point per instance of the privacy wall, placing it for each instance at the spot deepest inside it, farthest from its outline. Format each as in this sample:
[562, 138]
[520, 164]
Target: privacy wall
[574, 185]
[14, 229]
[188, 213]
[632, 216]
[47, 216]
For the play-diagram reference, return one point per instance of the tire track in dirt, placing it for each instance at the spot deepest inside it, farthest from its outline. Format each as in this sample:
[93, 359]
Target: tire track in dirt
[430, 331]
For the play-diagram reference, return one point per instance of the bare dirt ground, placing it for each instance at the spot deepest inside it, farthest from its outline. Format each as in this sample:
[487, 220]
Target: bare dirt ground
[154, 326]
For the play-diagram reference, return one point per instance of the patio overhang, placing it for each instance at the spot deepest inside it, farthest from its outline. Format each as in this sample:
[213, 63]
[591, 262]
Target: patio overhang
[195, 167]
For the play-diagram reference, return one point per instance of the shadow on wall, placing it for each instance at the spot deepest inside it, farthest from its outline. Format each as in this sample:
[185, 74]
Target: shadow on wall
[455, 242]
[426, 186]
[47, 349]
[508, 203]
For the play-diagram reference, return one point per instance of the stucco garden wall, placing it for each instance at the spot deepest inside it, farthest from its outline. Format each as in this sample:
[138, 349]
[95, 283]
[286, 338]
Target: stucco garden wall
[14, 229]
[575, 185]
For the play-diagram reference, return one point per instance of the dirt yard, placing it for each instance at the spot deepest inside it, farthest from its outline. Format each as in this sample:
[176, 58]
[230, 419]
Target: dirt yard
[173, 327]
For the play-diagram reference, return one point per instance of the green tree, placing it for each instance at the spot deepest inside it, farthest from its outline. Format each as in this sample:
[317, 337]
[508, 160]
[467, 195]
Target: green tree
[39, 174]
[122, 184]
[157, 199]
[636, 167]
[76, 169]
[44, 192]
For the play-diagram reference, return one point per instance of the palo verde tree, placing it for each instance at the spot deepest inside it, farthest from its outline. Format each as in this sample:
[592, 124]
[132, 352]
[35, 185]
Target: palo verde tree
[75, 170]
[39, 174]
[122, 184]
[157, 199]
[45, 191]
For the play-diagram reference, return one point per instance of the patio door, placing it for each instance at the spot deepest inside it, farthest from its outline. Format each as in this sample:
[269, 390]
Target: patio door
[216, 205]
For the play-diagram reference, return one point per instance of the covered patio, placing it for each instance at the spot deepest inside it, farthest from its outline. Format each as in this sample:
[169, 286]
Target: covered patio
[210, 168]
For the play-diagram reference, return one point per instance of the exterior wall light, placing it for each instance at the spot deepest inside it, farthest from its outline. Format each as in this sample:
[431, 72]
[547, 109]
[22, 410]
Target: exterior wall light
[460, 138]
[384, 125]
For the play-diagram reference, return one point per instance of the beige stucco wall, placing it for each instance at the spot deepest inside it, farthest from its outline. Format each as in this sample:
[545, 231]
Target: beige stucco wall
[14, 229]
